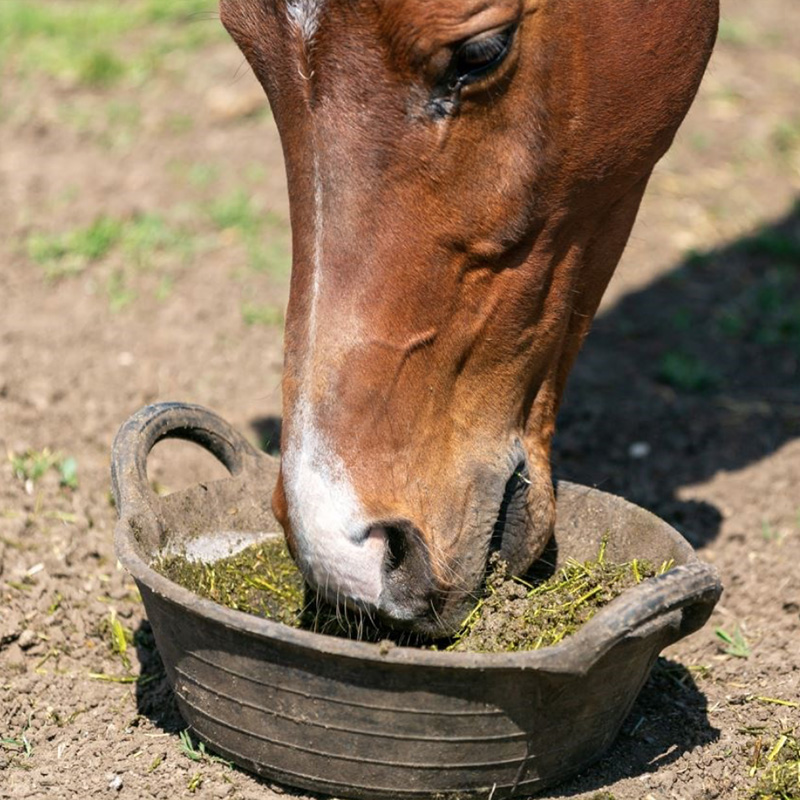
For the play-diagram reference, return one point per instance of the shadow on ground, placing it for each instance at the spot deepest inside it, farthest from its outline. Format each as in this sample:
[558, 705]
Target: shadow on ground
[268, 431]
[154, 696]
[669, 718]
[696, 373]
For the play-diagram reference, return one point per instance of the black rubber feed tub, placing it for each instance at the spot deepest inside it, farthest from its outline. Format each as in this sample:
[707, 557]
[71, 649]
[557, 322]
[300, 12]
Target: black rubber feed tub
[369, 721]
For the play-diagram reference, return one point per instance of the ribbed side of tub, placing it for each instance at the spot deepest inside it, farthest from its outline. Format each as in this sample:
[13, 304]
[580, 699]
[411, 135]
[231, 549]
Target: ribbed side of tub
[365, 730]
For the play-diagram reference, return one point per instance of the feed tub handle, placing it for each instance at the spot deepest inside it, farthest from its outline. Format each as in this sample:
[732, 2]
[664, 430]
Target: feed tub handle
[692, 590]
[137, 437]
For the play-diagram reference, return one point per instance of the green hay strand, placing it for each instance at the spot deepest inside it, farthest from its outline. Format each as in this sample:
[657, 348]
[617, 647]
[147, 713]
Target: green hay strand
[776, 768]
[512, 614]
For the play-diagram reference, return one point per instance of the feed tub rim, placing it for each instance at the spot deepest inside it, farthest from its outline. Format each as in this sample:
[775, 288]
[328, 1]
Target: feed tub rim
[681, 599]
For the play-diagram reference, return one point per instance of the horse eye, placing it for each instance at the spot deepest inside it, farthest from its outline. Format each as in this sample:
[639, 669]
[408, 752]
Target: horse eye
[479, 56]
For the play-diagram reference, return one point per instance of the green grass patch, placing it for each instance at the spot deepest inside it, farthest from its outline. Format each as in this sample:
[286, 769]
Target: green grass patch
[120, 295]
[700, 141]
[255, 172]
[122, 249]
[100, 68]
[179, 123]
[202, 175]
[69, 253]
[785, 136]
[264, 234]
[687, 372]
[99, 42]
[68, 471]
[737, 32]
[775, 765]
[255, 314]
[142, 239]
[271, 256]
[731, 322]
[164, 288]
[776, 245]
[766, 308]
[734, 643]
[235, 211]
[114, 127]
[198, 752]
[32, 465]
[682, 320]
[17, 744]
[124, 114]
[118, 638]
[149, 235]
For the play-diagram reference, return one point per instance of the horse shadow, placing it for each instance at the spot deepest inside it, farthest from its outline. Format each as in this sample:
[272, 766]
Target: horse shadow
[668, 719]
[696, 373]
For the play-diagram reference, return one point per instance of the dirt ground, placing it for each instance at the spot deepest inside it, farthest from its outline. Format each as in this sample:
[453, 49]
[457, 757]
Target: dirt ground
[144, 257]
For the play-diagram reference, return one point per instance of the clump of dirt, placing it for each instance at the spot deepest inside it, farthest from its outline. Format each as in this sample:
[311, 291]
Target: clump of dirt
[512, 614]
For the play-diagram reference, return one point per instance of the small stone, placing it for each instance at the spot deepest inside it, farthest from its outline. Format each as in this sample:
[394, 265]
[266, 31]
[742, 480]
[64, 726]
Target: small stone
[227, 103]
[10, 627]
[14, 658]
[27, 639]
[667, 779]
[115, 782]
[639, 450]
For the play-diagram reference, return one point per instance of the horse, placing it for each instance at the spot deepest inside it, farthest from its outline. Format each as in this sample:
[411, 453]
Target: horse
[463, 176]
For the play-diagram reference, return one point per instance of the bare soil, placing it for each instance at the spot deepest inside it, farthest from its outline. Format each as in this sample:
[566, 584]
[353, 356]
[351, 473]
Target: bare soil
[686, 400]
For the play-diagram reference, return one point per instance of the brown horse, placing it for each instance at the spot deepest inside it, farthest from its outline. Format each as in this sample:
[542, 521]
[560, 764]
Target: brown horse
[463, 177]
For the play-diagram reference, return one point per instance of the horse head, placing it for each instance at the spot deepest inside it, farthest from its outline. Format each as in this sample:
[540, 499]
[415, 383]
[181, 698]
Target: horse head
[463, 176]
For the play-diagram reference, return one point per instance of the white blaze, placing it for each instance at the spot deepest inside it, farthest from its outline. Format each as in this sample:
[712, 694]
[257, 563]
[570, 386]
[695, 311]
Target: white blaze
[304, 15]
[316, 276]
[325, 513]
[328, 522]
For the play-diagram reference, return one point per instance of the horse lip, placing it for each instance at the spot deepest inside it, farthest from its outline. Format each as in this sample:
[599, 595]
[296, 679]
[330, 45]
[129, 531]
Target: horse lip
[511, 515]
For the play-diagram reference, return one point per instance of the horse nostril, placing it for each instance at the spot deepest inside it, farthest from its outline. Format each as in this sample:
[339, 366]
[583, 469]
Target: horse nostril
[409, 587]
[394, 541]
[396, 547]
